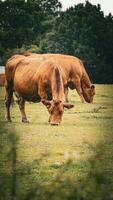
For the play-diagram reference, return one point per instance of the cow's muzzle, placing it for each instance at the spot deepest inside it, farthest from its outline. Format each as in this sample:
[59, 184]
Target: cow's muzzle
[54, 124]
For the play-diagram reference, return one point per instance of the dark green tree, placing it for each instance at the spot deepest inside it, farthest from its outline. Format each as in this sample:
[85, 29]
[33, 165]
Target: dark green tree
[85, 32]
[25, 22]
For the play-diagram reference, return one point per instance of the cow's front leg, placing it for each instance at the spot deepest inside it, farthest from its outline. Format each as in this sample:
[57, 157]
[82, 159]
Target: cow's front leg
[21, 103]
[8, 98]
[79, 89]
[66, 93]
[44, 96]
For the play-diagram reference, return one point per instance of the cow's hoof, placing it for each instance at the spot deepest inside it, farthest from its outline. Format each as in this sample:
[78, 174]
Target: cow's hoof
[25, 121]
[9, 120]
[82, 101]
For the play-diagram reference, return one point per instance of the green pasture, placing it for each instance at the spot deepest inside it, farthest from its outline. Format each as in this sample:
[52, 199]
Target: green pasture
[72, 161]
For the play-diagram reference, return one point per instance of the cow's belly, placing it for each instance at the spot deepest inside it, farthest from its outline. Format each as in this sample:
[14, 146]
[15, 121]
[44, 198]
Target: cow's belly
[31, 98]
[27, 90]
[28, 96]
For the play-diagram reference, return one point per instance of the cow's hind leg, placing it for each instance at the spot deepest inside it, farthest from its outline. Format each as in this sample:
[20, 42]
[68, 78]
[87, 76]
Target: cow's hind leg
[8, 100]
[21, 103]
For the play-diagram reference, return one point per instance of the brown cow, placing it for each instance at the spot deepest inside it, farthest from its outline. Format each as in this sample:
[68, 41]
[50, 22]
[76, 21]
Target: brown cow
[34, 80]
[2, 79]
[73, 73]
[2, 84]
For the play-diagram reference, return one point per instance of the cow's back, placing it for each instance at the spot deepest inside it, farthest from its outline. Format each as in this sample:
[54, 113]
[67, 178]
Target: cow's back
[24, 81]
[28, 75]
[69, 65]
[11, 66]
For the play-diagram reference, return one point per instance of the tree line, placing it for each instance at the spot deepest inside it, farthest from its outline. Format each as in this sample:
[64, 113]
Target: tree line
[41, 26]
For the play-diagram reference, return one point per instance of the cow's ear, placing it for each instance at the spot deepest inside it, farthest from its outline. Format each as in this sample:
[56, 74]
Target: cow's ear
[46, 102]
[68, 106]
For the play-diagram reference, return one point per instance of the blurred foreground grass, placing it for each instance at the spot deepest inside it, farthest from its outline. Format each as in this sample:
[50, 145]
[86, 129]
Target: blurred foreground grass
[68, 162]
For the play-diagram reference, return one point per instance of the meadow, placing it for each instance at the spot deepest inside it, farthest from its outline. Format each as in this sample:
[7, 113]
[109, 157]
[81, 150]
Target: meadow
[72, 161]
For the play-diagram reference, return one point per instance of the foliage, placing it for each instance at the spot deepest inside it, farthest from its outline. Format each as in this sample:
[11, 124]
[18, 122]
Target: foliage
[22, 23]
[83, 31]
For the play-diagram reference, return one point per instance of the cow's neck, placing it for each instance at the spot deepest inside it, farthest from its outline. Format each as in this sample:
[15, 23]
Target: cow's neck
[57, 85]
[85, 79]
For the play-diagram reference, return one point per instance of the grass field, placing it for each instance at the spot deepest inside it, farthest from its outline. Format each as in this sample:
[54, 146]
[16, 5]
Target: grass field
[72, 161]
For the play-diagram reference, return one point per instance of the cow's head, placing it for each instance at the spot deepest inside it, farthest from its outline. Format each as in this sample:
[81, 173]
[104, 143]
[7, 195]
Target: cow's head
[88, 93]
[55, 109]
